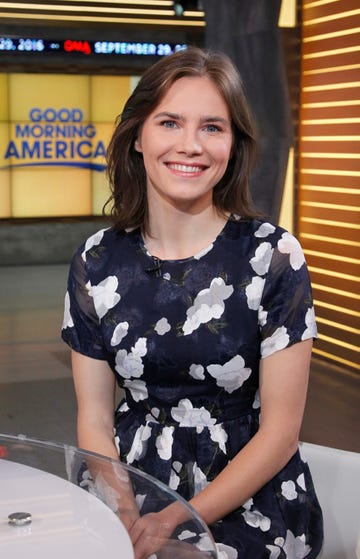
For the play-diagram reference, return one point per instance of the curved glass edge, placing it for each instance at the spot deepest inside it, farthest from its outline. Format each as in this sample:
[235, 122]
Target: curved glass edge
[75, 470]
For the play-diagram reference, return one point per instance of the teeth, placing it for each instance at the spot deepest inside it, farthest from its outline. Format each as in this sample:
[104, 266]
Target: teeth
[185, 168]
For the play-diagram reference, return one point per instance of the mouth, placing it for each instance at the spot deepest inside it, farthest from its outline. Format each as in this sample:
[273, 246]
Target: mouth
[188, 169]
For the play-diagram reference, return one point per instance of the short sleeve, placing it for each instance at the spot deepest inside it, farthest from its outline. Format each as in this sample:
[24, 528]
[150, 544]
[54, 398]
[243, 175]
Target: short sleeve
[286, 313]
[81, 325]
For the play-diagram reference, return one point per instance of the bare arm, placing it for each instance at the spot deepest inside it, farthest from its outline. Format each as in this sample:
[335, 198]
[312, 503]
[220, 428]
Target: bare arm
[283, 388]
[95, 392]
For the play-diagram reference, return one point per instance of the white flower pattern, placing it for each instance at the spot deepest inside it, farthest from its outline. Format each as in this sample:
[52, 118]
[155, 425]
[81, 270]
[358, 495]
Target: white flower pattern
[231, 375]
[92, 241]
[138, 447]
[226, 551]
[208, 304]
[130, 365]
[104, 295]
[164, 442]
[301, 482]
[265, 230]
[261, 261]
[137, 388]
[67, 320]
[200, 480]
[293, 547]
[120, 332]
[254, 292]
[219, 435]
[162, 326]
[288, 490]
[288, 244]
[174, 479]
[311, 330]
[203, 252]
[197, 372]
[274, 551]
[262, 314]
[256, 403]
[204, 543]
[255, 519]
[278, 340]
[186, 534]
[296, 547]
[188, 416]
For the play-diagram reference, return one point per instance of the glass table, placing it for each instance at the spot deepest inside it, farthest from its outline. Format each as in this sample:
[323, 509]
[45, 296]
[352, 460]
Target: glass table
[62, 502]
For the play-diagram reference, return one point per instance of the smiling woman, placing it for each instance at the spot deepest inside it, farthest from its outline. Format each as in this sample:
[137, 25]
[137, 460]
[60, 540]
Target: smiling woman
[220, 112]
[185, 154]
[202, 312]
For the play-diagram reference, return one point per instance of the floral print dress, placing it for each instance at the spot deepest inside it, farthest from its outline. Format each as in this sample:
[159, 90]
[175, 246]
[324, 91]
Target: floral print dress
[184, 339]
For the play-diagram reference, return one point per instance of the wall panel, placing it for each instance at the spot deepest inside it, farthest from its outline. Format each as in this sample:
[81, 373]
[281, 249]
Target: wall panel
[329, 173]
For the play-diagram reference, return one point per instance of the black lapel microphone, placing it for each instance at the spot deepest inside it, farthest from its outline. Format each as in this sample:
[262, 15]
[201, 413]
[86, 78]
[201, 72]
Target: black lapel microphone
[156, 267]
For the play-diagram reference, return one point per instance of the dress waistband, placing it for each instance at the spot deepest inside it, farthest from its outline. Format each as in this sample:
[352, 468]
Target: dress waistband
[186, 414]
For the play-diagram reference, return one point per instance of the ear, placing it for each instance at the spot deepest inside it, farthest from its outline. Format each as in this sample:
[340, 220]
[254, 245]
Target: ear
[137, 145]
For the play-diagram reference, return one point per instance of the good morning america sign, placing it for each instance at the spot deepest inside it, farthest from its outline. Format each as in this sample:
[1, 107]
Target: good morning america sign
[56, 137]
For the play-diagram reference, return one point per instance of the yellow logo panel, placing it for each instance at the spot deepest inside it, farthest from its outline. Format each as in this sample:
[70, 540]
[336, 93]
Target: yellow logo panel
[54, 130]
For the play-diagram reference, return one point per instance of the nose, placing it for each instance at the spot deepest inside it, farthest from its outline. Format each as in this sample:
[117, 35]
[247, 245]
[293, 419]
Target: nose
[189, 142]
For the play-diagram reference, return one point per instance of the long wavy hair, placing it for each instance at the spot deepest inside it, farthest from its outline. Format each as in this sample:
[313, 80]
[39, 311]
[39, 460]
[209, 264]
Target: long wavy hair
[125, 167]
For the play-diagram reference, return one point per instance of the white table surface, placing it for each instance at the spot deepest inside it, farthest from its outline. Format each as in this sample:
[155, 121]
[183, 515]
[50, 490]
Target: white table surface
[67, 522]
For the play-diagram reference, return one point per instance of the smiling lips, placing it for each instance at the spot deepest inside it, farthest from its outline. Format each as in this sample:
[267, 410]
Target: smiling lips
[189, 169]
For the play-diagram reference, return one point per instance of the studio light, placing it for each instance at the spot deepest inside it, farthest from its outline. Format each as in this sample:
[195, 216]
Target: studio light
[185, 6]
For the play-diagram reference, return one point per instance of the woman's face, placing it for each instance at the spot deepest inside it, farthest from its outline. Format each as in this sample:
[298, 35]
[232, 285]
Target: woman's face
[186, 144]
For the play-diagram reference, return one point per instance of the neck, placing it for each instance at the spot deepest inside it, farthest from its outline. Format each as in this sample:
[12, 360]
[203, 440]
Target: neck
[175, 234]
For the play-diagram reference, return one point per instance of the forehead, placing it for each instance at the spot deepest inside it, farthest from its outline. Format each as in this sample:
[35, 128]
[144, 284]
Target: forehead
[196, 93]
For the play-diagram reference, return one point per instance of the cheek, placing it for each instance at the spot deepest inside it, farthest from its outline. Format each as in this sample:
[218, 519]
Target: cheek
[221, 150]
[224, 153]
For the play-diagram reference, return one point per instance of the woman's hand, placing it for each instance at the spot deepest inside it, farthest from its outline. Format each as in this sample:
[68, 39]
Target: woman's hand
[150, 533]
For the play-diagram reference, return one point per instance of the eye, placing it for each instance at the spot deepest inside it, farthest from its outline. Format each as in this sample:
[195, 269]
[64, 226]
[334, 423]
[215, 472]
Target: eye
[212, 128]
[168, 123]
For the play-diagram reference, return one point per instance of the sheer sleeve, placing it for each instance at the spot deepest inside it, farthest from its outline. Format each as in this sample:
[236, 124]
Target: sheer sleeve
[81, 325]
[286, 313]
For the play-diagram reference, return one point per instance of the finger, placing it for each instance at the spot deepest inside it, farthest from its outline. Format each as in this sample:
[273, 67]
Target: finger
[146, 546]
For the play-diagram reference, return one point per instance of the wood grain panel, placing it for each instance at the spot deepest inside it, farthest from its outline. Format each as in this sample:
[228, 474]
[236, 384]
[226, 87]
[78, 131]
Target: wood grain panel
[326, 47]
[337, 249]
[329, 173]
[338, 354]
[348, 301]
[336, 146]
[345, 181]
[330, 95]
[335, 60]
[314, 10]
[346, 321]
[335, 266]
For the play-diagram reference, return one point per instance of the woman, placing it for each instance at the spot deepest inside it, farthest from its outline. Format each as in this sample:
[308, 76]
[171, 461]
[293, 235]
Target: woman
[202, 312]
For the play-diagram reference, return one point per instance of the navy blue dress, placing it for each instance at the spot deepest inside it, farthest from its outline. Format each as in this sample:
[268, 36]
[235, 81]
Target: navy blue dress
[184, 339]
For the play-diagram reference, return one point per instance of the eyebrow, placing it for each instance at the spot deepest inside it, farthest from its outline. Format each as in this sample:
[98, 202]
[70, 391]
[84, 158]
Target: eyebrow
[206, 118]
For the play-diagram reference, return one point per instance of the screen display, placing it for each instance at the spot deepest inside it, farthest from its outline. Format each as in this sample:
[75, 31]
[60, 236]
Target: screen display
[28, 45]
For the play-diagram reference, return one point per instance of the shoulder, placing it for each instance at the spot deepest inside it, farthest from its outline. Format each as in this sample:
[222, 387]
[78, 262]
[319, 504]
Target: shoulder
[263, 240]
[100, 243]
[97, 250]
[258, 231]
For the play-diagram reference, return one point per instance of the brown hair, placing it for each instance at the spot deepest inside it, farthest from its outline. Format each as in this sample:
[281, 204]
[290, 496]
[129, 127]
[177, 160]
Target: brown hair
[125, 168]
